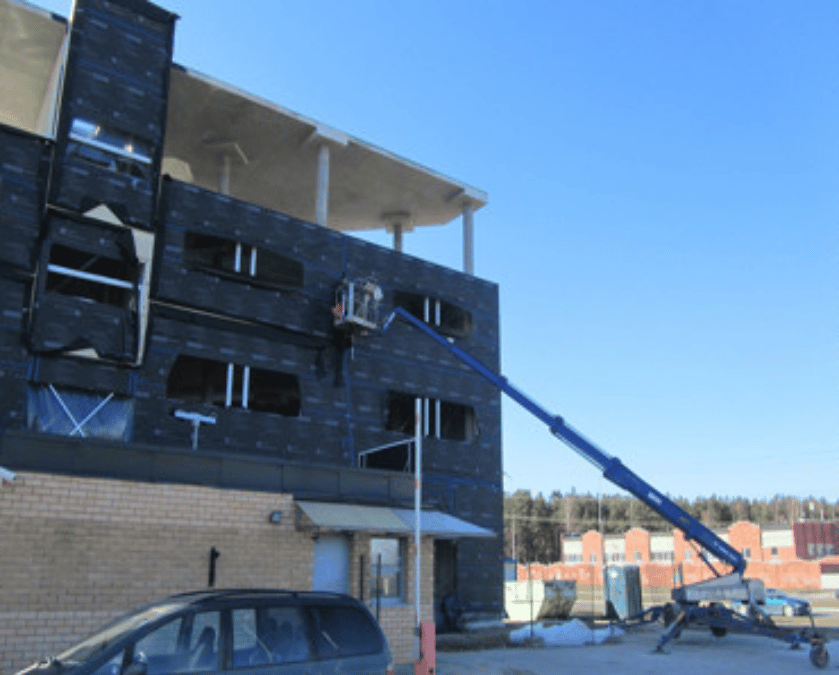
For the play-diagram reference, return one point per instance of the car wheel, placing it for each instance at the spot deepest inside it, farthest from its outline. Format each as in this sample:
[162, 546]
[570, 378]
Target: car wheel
[789, 610]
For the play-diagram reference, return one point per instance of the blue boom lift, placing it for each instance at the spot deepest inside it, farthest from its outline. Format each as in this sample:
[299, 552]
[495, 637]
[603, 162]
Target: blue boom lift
[705, 603]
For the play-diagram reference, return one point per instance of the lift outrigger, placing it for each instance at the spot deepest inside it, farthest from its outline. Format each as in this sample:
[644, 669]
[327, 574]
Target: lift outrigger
[705, 603]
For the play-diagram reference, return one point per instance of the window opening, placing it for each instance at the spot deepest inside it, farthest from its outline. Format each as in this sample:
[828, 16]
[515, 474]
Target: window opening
[274, 392]
[397, 456]
[218, 254]
[89, 276]
[199, 381]
[389, 578]
[774, 551]
[109, 149]
[110, 140]
[445, 317]
[441, 419]
[73, 412]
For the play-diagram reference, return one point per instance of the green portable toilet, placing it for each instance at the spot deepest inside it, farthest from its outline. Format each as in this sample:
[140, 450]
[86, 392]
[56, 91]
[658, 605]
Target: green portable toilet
[622, 586]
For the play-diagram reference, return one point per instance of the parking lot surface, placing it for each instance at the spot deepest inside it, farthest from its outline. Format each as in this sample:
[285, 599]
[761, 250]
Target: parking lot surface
[697, 652]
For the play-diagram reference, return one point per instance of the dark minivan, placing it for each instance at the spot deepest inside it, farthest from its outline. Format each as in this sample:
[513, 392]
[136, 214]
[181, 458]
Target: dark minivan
[252, 632]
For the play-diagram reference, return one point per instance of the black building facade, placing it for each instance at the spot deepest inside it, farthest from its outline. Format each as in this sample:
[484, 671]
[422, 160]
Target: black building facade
[155, 330]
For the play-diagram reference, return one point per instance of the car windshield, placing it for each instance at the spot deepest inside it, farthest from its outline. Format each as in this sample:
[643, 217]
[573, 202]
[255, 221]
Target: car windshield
[114, 631]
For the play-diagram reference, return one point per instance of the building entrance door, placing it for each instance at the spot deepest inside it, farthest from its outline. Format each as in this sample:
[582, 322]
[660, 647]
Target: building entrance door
[332, 565]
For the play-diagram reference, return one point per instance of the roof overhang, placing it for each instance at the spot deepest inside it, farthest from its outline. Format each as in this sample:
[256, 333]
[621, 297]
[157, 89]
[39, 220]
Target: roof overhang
[272, 152]
[338, 517]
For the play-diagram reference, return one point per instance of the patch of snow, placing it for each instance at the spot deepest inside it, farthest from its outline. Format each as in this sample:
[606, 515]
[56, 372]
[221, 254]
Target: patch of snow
[569, 634]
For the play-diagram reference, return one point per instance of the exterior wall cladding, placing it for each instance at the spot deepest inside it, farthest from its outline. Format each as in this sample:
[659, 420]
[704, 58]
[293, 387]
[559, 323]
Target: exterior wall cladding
[344, 384]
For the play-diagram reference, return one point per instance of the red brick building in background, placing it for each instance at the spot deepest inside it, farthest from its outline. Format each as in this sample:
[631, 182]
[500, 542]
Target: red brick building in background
[800, 557]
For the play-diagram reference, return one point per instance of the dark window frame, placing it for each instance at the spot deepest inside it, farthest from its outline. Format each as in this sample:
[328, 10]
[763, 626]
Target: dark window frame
[241, 262]
[197, 380]
[444, 420]
[445, 317]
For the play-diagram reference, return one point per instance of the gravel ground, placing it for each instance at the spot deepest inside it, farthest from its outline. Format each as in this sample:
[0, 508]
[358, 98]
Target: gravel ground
[697, 652]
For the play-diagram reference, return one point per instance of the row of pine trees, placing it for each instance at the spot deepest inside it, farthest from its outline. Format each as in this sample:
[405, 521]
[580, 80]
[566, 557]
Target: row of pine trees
[536, 524]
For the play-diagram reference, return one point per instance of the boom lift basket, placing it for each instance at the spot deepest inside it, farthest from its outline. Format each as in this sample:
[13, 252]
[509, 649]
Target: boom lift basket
[357, 305]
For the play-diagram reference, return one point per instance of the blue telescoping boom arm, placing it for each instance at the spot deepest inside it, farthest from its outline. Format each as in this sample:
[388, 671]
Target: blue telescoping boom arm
[611, 467]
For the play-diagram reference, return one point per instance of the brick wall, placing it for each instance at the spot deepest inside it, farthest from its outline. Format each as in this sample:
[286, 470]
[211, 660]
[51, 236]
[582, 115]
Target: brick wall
[75, 552]
[398, 622]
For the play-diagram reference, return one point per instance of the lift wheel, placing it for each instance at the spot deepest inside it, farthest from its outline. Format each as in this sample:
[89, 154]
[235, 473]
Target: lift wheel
[819, 656]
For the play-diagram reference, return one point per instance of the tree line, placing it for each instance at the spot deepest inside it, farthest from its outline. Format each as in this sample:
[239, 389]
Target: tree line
[535, 525]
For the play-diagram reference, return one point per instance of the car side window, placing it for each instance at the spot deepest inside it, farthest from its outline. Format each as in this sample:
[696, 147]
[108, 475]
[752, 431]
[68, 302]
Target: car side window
[203, 647]
[345, 631]
[265, 635]
[167, 650]
[284, 632]
[161, 649]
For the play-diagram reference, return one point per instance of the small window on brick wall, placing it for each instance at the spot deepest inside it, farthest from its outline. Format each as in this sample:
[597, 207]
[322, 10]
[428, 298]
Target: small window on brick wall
[235, 259]
[445, 317]
[441, 419]
[195, 380]
[89, 276]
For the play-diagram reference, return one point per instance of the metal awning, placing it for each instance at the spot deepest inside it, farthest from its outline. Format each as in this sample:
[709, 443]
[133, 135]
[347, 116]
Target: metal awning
[382, 519]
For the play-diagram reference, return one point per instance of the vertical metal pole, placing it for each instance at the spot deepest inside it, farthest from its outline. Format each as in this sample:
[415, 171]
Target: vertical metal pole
[515, 557]
[417, 510]
[361, 573]
[228, 398]
[237, 261]
[246, 385]
[530, 596]
[378, 585]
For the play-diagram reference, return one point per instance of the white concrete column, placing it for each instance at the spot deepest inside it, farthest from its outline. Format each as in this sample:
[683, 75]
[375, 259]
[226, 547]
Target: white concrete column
[397, 237]
[322, 196]
[468, 239]
[224, 174]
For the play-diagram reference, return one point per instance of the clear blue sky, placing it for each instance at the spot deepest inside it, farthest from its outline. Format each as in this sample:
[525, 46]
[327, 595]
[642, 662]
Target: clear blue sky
[664, 189]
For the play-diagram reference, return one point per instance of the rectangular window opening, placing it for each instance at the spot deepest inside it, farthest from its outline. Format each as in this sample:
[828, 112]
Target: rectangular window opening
[448, 319]
[90, 276]
[393, 457]
[274, 392]
[199, 381]
[241, 261]
[387, 569]
[442, 419]
[109, 149]
[276, 269]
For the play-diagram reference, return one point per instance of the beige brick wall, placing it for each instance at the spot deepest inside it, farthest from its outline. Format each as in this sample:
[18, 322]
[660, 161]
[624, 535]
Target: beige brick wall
[398, 622]
[75, 552]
